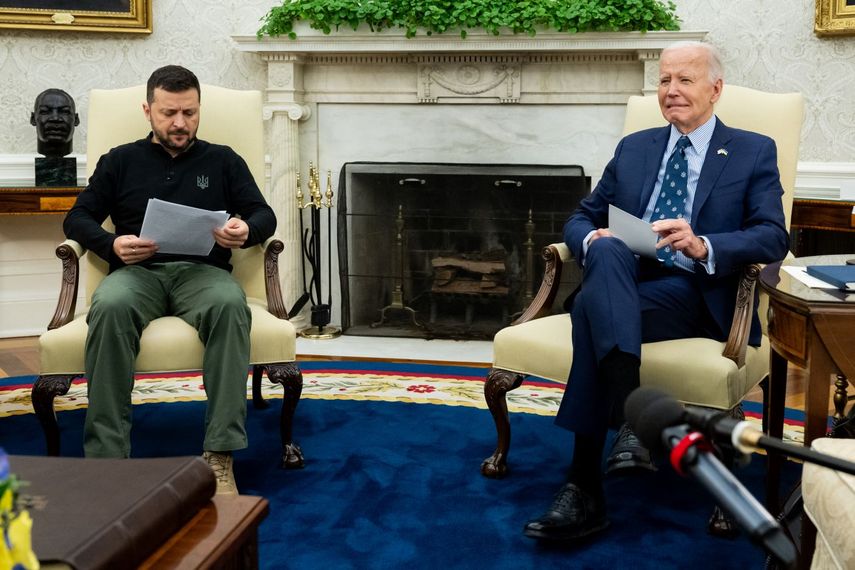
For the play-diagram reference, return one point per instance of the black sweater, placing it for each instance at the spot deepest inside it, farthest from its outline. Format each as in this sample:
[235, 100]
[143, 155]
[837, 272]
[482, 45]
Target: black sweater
[208, 176]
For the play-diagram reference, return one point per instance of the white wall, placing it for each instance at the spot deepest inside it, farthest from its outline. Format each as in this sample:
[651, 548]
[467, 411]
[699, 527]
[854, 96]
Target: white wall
[781, 54]
[770, 45]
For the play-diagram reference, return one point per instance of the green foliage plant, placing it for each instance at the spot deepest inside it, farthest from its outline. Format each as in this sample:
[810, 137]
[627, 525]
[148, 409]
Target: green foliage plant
[493, 16]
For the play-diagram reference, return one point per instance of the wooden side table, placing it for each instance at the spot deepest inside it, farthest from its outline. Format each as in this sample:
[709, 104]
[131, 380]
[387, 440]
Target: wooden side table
[37, 199]
[813, 329]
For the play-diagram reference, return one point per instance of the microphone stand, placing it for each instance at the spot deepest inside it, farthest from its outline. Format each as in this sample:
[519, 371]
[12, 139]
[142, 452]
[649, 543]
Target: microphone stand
[805, 454]
[746, 438]
[692, 455]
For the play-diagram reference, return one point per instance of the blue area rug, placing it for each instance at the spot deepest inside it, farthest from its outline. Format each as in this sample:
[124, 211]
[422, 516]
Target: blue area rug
[390, 484]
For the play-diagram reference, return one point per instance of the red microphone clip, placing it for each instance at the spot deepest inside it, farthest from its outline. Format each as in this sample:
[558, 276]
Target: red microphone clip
[678, 452]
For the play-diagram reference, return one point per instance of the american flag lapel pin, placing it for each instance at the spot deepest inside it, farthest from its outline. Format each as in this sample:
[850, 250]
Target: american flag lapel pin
[722, 151]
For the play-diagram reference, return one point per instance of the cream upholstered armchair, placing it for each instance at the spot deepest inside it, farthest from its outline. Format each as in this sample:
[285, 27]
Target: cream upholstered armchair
[829, 502]
[718, 374]
[168, 344]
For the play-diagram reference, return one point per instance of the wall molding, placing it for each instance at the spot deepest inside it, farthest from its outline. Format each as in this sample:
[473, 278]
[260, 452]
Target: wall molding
[826, 180]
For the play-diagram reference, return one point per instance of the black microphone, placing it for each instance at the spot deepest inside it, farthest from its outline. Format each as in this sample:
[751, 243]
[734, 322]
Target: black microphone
[658, 421]
[745, 437]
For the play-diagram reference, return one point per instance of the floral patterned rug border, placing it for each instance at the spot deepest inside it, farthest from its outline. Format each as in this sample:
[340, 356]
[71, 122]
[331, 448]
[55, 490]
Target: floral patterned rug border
[417, 384]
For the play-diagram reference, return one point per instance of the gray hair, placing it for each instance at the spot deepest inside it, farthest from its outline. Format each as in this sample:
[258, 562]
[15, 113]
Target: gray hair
[716, 69]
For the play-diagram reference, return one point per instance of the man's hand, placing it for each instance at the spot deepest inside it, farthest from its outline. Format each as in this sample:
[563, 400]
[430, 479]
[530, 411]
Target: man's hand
[679, 234]
[602, 232]
[233, 234]
[131, 249]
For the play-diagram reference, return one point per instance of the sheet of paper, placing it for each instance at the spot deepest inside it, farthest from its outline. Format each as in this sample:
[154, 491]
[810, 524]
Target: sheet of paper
[634, 232]
[800, 273]
[181, 229]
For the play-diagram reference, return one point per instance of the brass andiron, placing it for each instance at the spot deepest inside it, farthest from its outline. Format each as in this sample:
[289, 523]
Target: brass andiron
[528, 269]
[528, 296]
[397, 303]
[311, 241]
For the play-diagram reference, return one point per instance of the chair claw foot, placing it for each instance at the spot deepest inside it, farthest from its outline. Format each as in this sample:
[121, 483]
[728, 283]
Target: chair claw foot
[292, 456]
[494, 467]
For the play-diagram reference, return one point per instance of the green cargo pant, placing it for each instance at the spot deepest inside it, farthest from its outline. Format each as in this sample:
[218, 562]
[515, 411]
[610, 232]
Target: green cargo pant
[207, 298]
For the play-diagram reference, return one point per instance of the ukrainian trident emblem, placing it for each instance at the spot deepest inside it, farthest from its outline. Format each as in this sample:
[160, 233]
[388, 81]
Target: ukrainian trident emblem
[202, 182]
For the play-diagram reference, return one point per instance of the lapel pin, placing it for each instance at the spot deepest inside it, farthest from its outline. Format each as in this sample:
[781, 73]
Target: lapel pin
[722, 152]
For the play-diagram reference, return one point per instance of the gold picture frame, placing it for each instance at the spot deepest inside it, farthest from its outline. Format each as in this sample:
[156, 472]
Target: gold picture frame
[835, 17]
[124, 16]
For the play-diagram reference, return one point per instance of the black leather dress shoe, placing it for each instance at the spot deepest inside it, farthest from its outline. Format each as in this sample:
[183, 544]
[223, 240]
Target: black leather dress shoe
[574, 514]
[628, 454]
[722, 524]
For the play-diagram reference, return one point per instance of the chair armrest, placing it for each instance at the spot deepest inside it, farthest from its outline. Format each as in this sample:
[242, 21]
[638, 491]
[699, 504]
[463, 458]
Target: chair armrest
[737, 340]
[69, 252]
[555, 255]
[272, 248]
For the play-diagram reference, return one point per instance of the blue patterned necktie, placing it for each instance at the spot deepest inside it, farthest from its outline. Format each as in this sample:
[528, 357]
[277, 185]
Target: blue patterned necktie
[672, 196]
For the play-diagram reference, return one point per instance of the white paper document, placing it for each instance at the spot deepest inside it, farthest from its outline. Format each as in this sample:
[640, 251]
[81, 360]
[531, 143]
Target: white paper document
[634, 232]
[800, 273]
[181, 229]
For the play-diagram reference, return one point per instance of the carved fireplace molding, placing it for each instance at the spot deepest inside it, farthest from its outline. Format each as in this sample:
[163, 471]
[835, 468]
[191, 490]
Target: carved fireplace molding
[388, 68]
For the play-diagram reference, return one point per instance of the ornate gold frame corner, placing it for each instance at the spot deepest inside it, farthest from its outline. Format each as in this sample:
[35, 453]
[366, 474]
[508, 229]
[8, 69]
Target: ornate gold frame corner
[86, 16]
[834, 18]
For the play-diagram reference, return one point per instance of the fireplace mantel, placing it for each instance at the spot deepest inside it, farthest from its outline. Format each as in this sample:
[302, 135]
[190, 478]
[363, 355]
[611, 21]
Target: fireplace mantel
[346, 40]
[506, 98]
[535, 57]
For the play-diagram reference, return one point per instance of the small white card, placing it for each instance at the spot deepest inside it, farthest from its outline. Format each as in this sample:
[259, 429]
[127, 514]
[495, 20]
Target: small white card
[634, 232]
[181, 229]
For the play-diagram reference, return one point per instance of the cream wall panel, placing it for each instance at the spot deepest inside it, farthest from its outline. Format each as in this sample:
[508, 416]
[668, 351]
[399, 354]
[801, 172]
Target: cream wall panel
[30, 273]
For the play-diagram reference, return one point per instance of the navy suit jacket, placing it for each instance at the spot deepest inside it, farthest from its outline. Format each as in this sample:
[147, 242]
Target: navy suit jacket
[737, 206]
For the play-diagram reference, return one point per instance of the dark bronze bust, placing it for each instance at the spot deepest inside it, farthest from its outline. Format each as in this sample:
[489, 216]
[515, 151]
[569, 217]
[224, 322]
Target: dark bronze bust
[54, 117]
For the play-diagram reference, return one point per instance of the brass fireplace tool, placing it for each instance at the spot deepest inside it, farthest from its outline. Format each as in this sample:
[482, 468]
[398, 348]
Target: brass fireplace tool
[397, 303]
[311, 241]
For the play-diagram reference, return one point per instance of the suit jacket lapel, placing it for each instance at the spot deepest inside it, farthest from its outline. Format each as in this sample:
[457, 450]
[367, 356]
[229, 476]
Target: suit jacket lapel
[714, 163]
[652, 162]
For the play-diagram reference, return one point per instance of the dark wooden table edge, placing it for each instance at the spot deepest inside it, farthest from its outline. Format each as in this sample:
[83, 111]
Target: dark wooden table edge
[256, 509]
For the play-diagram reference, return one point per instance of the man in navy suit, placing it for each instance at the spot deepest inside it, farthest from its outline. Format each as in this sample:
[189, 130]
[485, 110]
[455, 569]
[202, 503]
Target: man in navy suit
[730, 215]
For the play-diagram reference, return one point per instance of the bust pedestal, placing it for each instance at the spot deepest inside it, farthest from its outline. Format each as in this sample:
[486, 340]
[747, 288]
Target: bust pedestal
[56, 171]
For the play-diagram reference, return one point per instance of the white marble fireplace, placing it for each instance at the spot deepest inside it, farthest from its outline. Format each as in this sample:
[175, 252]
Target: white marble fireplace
[361, 96]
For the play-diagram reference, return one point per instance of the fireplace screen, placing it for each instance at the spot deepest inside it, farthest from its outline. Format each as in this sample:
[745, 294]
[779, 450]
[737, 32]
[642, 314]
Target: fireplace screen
[447, 250]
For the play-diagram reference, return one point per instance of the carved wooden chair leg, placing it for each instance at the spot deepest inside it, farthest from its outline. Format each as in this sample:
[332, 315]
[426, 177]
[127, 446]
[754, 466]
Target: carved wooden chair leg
[289, 375]
[45, 389]
[499, 382]
[258, 401]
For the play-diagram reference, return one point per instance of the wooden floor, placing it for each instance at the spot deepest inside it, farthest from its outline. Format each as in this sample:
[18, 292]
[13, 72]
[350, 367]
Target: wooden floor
[20, 357]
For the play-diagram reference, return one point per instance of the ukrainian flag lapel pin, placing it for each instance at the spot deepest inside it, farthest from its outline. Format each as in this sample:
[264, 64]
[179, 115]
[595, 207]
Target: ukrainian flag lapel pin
[722, 151]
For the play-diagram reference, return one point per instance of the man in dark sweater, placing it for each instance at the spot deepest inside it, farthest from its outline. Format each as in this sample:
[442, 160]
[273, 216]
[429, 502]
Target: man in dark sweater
[143, 284]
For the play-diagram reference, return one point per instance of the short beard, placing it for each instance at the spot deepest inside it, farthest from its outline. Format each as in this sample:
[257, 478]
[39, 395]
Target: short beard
[165, 142]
